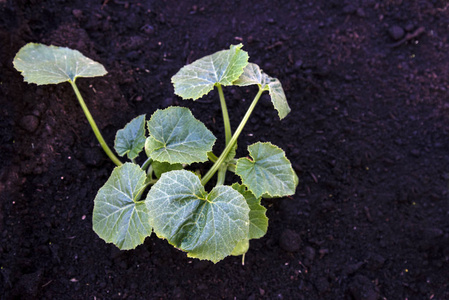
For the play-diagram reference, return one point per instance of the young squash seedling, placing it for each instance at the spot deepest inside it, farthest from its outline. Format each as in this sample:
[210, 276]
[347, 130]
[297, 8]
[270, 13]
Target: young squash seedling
[161, 196]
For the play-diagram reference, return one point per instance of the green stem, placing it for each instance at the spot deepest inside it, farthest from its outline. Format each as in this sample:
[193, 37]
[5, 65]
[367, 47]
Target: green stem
[212, 157]
[224, 110]
[148, 162]
[221, 176]
[233, 140]
[94, 126]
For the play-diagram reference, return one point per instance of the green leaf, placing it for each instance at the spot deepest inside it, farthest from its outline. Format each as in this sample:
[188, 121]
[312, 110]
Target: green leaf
[119, 217]
[258, 221]
[160, 168]
[131, 139]
[197, 79]
[177, 137]
[207, 226]
[41, 64]
[241, 248]
[252, 74]
[269, 172]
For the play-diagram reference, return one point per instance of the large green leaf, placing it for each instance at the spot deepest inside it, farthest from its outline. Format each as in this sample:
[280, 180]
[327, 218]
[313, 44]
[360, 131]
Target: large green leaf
[42, 64]
[119, 217]
[207, 226]
[197, 79]
[252, 74]
[270, 172]
[177, 137]
[131, 139]
[258, 221]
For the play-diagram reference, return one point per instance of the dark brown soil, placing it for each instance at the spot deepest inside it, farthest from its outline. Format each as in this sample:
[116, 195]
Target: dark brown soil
[368, 134]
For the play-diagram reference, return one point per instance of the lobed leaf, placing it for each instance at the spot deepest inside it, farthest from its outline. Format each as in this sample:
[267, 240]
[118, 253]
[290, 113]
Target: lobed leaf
[131, 139]
[206, 226]
[42, 64]
[270, 172]
[252, 74]
[197, 79]
[118, 216]
[177, 137]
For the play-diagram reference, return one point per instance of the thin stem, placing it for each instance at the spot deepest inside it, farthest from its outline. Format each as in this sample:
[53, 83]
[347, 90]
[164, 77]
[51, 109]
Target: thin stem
[224, 110]
[146, 163]
[212, 157]
[221, 176]
[92, 123]
[233, 140]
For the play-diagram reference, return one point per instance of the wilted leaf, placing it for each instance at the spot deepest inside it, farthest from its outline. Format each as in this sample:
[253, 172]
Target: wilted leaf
[252, 74]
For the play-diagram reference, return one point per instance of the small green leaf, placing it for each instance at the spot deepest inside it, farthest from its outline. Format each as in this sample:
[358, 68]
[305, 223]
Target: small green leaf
[252, 74]
[131, 139]
[207, 226]
[41, 64]
[119, 217]
[177, 137]
[269, 172]
[258, 221]
[197, 79]
[160, 168]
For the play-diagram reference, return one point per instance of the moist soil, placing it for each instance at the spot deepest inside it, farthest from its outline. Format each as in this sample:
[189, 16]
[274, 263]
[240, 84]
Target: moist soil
[368, 135]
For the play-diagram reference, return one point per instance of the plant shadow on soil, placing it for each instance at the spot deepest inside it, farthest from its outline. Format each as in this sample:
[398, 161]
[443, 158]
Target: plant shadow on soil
[367, 82]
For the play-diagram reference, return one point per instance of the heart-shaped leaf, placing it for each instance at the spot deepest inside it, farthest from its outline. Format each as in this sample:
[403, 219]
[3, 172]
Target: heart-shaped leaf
[206, 226]
[119, 217]
[197, 79]
[131, 139]
[270, 172]
[177, 137]
[252, 74]
[42, 64]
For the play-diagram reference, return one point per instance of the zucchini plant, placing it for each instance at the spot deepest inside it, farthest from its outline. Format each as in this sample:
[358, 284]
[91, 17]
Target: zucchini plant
[162, 195]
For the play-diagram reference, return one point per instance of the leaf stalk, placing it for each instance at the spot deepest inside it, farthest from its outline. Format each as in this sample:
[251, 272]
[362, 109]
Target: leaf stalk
[94, 126]
[233, 140]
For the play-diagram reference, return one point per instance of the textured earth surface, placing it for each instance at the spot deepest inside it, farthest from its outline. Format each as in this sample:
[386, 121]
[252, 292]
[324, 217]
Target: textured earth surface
[368, 135]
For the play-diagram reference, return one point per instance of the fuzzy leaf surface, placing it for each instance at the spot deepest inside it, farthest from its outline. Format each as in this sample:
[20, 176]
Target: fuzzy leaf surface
[131, 139]
[197, 79]
[118, 216]
[177, 137]
[252, 74]
[206, 226]
[42, 64]
[269, 171]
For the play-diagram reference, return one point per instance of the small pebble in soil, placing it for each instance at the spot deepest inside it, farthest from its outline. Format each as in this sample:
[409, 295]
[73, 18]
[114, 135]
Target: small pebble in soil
[290, 240]
[29, 123]
[396, 32]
